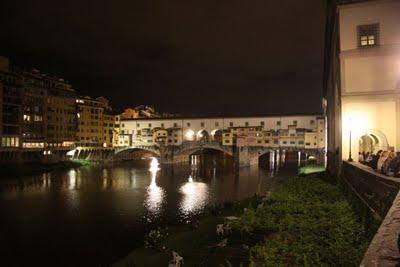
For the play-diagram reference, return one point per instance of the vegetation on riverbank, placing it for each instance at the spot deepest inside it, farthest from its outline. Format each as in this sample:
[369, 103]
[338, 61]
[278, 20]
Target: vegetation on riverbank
[305, 222]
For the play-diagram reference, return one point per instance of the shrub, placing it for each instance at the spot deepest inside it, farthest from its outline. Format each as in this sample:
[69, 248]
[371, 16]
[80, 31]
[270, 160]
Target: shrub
[306, 222]
[155, 239]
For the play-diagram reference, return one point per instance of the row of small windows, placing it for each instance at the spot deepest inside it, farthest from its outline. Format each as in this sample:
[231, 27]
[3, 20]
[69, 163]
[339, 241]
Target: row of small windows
[231, 124]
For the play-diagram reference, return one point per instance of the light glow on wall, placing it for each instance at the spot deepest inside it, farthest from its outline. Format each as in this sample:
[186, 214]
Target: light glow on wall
[189, 135]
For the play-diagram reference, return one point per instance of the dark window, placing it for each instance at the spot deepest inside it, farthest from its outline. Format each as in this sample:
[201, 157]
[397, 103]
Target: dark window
[246, 123]
[231, 124]
[188, 124]
[262, 123]
[216, 123]
[368, 35]
[175, 124]
[149, 124]
[202, 124]
[278, 123]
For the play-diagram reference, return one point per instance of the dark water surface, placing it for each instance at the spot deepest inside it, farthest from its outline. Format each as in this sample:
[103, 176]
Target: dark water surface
[94, 215]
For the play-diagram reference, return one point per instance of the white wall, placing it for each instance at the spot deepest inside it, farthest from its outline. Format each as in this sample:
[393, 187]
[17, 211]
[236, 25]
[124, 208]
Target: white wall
[386, 13]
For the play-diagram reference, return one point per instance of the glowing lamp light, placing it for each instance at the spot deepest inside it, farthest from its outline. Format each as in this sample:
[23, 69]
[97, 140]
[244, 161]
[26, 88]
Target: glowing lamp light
[189, 135]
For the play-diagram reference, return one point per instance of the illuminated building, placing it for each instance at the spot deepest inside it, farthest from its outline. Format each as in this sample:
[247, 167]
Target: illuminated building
[160, 136]
[61, 113]
[268, 131]
[117, 119]
[362, 78]
[34, 111]
[11, 85]
[95, 123]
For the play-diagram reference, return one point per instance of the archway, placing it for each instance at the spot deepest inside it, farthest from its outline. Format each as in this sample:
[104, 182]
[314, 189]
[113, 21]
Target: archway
[217, 136]
[372, 142]
[203, 136]
[135, 154]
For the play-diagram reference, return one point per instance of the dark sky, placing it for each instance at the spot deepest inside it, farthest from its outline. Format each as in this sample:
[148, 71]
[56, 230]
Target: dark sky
[227, 57]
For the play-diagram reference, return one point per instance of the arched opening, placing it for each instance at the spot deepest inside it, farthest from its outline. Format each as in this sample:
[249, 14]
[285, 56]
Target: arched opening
[203, 136]
[373, 141]
[217, 136]
[135, 154]
[366, 144]
[208, 160]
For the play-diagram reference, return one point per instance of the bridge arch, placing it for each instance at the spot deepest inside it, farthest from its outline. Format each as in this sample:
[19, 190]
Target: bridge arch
[136, 153]
[190, 148]
[203, 135]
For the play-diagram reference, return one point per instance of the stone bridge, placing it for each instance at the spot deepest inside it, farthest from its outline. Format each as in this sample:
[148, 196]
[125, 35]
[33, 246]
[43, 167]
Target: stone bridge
[243, 156]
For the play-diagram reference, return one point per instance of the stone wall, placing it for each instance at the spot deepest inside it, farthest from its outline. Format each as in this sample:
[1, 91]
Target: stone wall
[376, 190]
[384, 249]
[381, 194]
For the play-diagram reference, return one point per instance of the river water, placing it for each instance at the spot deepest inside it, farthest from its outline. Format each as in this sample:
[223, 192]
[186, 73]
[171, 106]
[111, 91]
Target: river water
[94, 215]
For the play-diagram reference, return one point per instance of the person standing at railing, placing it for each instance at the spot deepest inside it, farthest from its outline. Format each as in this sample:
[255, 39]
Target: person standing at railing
[394, 165]
[381, 161]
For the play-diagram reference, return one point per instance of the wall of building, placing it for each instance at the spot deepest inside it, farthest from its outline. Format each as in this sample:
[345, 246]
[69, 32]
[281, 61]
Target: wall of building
[370, 75]
[285, 131]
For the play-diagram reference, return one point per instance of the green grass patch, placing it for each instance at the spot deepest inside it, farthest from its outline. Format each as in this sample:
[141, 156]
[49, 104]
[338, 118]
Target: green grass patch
[306, 222]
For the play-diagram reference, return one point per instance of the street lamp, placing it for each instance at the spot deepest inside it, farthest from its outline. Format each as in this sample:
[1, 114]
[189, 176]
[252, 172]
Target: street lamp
[350, 159]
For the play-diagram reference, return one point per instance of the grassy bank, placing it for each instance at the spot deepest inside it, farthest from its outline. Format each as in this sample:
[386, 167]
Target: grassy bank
[305, 222]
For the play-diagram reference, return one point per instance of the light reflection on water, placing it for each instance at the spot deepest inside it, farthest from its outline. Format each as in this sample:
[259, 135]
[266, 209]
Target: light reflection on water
[154, 194]
[195, 196]
[110, 208]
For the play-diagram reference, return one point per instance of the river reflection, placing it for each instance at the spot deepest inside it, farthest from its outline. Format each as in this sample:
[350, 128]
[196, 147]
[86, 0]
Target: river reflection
[95, 214]
[154, 194]
[194, 199]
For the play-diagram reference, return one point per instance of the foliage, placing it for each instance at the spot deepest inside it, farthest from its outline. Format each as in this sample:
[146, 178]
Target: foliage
[156, 238]
[306, 222]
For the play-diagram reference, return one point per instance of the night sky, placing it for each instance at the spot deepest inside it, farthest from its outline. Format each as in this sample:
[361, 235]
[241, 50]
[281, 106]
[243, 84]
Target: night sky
[230, 57]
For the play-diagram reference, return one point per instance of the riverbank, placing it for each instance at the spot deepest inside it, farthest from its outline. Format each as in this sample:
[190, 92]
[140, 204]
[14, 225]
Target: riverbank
[306, 221]
[21, 170]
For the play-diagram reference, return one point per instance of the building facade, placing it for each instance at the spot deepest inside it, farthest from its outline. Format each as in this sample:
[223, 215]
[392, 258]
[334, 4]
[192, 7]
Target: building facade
[95, 123]
[282, 131]
[11, 107]
[362, 78]
[38, 114]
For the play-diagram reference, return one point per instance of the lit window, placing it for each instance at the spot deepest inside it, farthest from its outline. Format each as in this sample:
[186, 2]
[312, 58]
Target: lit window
[368, 35]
